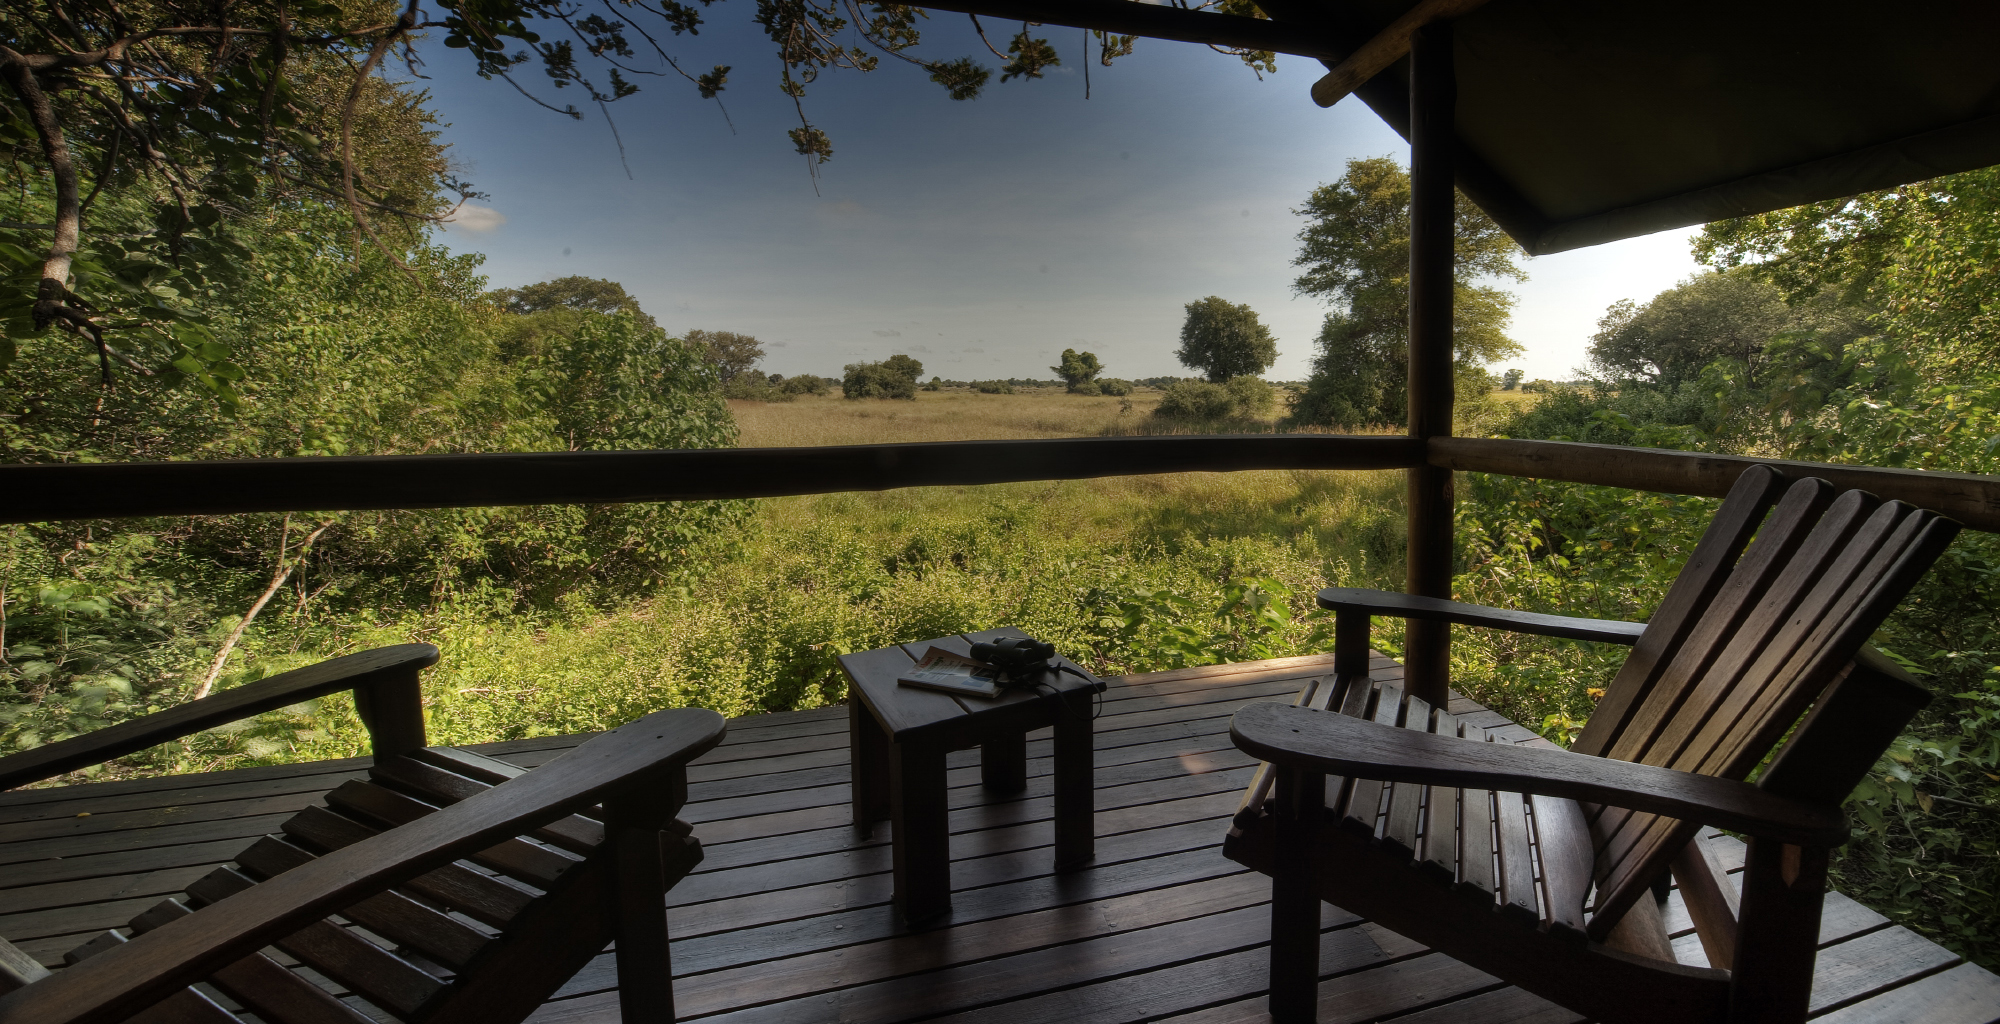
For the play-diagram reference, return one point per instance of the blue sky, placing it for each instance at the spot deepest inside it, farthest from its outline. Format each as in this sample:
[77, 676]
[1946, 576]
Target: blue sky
[981, 237]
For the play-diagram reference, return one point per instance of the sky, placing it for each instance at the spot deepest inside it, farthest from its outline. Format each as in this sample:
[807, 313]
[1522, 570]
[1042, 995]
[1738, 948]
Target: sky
[981, 237]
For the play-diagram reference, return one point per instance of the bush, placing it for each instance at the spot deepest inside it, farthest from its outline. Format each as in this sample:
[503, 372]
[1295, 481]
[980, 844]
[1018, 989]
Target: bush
[1241, 398]
[993, 387]
[804, 384]
[1114, 387]
[887, 379]
[753, 386]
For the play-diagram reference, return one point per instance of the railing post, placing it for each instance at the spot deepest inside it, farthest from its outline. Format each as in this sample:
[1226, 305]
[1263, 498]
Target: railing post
[1433, 197]
[393, 711]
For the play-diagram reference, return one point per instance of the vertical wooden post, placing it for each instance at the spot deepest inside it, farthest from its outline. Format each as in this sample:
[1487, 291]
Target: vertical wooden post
[633, 819]
[1433, 200]
[393, 711]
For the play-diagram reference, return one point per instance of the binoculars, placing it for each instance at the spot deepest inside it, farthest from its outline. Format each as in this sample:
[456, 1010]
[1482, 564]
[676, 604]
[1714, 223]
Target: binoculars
[1016, 655]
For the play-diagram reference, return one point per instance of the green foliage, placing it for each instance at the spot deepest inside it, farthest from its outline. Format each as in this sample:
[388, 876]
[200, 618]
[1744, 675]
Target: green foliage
[1079, 371]
[1114, 387]
[593, 294]
[894, 377]
[1356, 255]
[1734, 315]
[1225, 341]
[1511, 379]
[731, 354]
[1242, 398]
[992, 387]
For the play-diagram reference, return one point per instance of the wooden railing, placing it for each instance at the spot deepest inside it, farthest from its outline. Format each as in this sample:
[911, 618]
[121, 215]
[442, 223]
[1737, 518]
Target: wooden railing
[34, 493]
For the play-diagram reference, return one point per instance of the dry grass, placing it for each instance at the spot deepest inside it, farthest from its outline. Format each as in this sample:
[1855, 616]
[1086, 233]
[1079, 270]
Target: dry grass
[938, 416]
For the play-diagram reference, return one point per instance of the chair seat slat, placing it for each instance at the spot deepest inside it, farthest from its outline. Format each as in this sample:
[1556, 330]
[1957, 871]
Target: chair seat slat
[484, 898]
[1406, 799]
[372, 972]
[1441, 817]
[391, 914]
[264, 986]
[538, 866]
[1364, 799]
[438, 786]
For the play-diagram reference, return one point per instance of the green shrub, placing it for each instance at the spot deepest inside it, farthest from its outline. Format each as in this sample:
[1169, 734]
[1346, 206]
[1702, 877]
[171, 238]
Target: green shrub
[1115, 387]
[1242, 398]
[993, 387]
[895, 377]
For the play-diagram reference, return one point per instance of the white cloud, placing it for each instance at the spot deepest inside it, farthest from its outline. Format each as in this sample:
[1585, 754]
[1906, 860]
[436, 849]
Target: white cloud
[476, 219]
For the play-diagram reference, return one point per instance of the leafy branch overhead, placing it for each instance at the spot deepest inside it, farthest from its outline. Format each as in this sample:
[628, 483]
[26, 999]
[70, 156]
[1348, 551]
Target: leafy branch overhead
[138, 132]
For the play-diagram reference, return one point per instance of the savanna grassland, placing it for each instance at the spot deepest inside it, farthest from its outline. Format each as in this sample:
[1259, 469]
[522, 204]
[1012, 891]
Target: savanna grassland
[1125, 573]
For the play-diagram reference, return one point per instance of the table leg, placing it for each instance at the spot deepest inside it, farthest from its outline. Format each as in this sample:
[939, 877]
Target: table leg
[923, 831]
[868, 763]
[1003, 762]
[1074, 784]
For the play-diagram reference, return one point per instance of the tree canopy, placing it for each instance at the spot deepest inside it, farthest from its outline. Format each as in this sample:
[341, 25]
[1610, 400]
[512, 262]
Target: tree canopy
[1355, 255]
[592, 293]
[136, 136]
[731, 354]
[894, 377]
[1079, 371]
[1224, 341]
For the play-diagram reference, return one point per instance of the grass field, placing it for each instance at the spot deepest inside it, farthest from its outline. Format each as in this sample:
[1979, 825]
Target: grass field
[1125, 574]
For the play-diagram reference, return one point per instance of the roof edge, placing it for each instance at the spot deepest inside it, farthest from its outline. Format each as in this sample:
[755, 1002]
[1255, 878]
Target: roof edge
[1967, 146]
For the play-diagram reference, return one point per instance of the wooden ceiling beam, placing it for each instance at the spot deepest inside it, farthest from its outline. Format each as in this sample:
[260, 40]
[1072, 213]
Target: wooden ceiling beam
[1127, 17]
[1389, 46]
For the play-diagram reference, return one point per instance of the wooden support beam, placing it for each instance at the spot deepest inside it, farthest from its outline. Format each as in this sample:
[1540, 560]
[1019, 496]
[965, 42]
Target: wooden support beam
[1971, 499]
[1433, 208]
[34, 493]
[1388, 47]
[1156, 21]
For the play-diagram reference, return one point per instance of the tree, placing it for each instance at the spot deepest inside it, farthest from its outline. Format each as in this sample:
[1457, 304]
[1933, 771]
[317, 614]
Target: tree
[1356, 256]
[1079, 370]
[1733, 314]
[190, 108]
[1511, 379]
[1225, 341]
[591, 293]
[894, 377]
[731, 353]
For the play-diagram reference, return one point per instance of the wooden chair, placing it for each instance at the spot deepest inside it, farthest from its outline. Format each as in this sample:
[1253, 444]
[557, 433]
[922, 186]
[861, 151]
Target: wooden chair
[1488, 851]
[448, 887]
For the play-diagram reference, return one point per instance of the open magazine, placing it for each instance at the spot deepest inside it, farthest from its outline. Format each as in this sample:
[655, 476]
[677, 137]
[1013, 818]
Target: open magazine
[940, 669]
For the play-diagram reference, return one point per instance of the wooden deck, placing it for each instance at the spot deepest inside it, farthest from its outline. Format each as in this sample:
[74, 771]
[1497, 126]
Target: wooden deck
[788, 920]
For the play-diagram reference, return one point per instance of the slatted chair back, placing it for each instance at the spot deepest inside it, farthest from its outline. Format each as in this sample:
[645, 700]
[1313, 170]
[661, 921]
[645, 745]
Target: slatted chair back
[481, 941]
[1741, 650]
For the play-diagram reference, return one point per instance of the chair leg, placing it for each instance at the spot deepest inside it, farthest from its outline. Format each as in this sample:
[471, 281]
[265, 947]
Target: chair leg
[1777, 935]
[645, 969]
[1299, 810]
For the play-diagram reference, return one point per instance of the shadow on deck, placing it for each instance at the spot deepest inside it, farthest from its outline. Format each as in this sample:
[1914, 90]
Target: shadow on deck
[787, 919]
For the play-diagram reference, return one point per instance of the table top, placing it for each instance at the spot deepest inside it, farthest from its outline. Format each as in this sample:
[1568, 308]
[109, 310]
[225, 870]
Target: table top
[909, 712]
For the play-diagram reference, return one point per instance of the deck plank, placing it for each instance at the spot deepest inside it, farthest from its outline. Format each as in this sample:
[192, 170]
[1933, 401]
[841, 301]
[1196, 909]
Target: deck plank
[788, 917]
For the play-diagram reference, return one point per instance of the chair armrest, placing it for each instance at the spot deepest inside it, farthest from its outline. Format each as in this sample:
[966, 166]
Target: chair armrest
[1411, 606]
[281, 690]
[116, 984]
[1340, 745]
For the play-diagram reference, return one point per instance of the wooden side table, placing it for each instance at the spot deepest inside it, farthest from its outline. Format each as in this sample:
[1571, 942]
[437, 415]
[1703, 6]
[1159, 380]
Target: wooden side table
[899, 738]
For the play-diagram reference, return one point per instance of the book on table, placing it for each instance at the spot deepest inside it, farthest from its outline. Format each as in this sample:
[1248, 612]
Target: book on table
[940, 669]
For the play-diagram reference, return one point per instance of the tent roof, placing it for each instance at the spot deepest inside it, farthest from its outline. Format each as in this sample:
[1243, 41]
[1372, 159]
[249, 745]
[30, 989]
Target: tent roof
[1583, 122]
